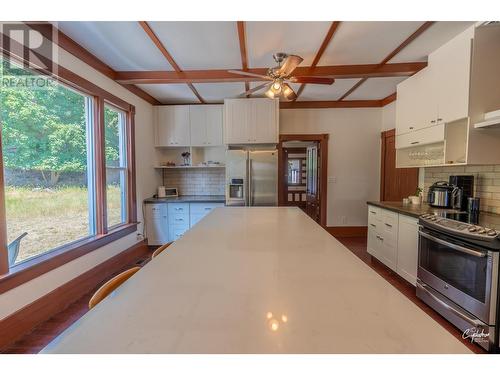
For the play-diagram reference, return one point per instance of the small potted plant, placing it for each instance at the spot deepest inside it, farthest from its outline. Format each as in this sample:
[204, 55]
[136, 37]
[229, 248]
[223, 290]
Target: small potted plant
[185, 156]
[417, 198]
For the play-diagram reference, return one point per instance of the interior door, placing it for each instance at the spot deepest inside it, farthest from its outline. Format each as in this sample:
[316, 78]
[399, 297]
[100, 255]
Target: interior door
[396, 183]
[295, 176]
[312, 183]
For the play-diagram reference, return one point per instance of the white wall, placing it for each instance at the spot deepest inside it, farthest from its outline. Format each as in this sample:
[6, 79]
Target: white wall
[353, 156]
[389, 116]
[147, 180]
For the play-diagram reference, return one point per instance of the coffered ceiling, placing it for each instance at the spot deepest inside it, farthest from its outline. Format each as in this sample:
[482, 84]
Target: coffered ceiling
[210, 48]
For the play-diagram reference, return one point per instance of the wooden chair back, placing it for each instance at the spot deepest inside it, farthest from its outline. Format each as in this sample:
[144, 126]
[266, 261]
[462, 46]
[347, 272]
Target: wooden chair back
[160, 249]
[111, 285]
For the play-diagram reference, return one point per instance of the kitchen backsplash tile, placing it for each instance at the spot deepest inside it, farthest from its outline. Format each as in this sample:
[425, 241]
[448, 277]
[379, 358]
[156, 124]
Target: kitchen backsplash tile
[196, 181]
[486, 182]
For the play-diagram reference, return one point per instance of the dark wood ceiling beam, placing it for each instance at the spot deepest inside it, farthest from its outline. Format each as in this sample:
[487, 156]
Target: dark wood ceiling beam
[243, 49]
[388, 99]
[405, 43]
[326, 41]
[69, 45]
[157, 42]
[219, 75]
[331, 104]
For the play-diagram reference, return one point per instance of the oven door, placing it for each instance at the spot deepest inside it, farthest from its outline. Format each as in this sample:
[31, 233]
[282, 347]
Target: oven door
[461, 272]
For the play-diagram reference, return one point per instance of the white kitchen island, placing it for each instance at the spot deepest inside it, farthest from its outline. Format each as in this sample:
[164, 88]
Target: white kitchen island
[256, 280]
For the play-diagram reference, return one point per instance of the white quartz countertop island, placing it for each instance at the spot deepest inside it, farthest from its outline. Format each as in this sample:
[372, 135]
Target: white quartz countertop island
[256, 280]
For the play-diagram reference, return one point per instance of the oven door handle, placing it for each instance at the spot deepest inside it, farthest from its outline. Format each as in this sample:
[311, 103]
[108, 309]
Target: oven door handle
[466, 250]
[473, 322]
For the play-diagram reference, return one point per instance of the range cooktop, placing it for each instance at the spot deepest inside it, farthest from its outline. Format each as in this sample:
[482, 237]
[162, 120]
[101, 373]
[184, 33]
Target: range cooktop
[482, 226]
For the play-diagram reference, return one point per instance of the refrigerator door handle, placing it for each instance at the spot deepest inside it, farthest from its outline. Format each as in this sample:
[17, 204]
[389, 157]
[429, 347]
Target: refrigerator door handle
[250, 193]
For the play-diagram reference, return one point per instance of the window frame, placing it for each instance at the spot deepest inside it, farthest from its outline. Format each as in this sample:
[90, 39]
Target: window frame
[38, 265]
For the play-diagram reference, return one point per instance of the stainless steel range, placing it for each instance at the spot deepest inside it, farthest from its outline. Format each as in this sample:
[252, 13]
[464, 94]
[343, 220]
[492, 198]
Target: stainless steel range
[457, 272]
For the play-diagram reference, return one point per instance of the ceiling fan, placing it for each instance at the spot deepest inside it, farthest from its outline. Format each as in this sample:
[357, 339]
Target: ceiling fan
[280, 75]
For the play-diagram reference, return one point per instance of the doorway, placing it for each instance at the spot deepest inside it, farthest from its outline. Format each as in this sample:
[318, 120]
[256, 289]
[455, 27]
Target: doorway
[395, 183]
[302, 173]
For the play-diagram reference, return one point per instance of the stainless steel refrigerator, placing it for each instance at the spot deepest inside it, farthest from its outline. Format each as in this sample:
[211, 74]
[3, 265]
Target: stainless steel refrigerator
[252, 177]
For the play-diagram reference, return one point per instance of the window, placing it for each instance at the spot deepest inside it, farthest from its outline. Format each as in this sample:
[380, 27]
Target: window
[56, 197]
[48, 166]
[116, 165]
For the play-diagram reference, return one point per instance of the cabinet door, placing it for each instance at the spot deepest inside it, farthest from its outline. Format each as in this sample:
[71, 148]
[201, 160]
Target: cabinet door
[407, 262]
[156, 224]
[214, 125]
[165, 132]
[237, 120]
[452, 63]
[373, 243]
[265, 121]
[198, 125]
[181, 125]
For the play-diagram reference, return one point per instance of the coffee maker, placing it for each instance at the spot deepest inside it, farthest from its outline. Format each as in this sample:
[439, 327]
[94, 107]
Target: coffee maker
[466, 184]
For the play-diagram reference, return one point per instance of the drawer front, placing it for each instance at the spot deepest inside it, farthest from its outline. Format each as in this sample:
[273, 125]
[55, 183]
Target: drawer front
[373, 214]
[389, 225]
[157, 210]
[203, 208]
[176, 231]
[178, 208]
[178, 219]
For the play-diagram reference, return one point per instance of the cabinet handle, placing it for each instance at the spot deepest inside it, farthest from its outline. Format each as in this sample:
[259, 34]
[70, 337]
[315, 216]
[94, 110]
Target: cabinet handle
[415, 143]
[411, 127]
[207, 208]
[373, 212]
[179, 219]
[389, 225]
[433, 121]
[373, 225]
[440, 119]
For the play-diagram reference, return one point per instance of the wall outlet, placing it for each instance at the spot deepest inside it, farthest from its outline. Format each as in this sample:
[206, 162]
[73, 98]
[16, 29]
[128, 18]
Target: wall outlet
[332, 179]
[343, 219]
[140, 237]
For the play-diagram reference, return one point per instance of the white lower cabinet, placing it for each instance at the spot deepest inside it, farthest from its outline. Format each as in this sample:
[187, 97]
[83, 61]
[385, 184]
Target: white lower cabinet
[393, 240]
[169, 221]
[408, 248]
[156, 224]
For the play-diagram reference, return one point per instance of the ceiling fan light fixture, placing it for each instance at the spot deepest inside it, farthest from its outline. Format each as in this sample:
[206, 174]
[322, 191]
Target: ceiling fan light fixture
[288, 92]
[276, 87]
[270, 93]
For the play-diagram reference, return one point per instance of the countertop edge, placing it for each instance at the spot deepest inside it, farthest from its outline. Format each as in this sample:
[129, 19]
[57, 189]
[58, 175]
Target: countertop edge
[187, 199]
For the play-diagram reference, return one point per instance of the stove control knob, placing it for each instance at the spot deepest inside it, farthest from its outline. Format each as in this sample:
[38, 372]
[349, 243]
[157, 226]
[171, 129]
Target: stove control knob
[492, 233]
[425, 216]
[433, 218]
[472, 229]
[481, 230]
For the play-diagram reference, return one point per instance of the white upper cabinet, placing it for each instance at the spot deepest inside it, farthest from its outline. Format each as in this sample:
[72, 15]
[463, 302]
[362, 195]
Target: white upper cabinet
[439, 93]
[189, 125]
[251, 121]
[206, 125]
[172, 128]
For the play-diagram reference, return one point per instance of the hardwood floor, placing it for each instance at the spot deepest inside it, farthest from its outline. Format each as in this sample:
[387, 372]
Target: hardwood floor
[44, 333]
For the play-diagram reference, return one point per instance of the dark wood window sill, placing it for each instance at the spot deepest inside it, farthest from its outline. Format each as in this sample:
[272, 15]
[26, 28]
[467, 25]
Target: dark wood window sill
[32, 268]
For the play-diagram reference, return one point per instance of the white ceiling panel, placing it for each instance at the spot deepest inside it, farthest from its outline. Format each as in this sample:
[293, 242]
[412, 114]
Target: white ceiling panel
[299, 38]
[217, 92]
[431, 39]
[327, 92]
[366, 42]
[201, 45]
[376, 88]
[171, 93]
[121, 45]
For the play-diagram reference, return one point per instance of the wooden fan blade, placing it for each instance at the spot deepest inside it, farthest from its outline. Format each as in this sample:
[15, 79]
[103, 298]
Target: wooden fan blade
[241, 72]
[289, 65]
[256, 88]
[317, 80]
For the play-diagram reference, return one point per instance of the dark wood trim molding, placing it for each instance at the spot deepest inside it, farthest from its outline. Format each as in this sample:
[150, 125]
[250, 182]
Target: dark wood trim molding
[4, 260]
[68, 44]
[332, 104]
[131, 165]
[389, 99]
[360, 231]
[32, 268]
[323, 141]
[393, 53]
[383, 135]
[222, 75]
[24, 320]
[157, 42]
[100, 167]
[326, 41]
